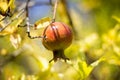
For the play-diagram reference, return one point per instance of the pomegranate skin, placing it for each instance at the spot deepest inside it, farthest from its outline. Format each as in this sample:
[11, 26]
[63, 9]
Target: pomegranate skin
[58, 36]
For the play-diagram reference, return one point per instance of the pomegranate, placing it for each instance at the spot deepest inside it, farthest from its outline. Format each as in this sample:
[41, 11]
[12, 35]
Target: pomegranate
[57, 37]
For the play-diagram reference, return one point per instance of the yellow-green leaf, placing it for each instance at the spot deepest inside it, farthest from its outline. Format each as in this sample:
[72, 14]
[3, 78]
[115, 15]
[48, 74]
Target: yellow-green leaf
[15, 40]
[42, 23]
[11, 26]
[3, 7]
[11, 4]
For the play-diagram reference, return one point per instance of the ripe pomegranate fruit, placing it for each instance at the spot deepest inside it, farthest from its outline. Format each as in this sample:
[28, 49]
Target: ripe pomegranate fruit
[57, 37]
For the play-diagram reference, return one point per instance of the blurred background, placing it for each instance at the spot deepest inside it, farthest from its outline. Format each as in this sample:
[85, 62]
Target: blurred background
[94, 53]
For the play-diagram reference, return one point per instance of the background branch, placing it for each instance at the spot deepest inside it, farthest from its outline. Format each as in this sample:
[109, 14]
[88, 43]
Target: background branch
[64, 13]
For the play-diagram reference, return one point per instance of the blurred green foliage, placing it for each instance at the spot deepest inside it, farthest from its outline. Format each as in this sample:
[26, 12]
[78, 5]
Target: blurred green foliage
[94, 53]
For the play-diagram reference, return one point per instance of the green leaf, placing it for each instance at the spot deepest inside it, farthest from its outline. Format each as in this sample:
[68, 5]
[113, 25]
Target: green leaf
[85, 69]
[116, 18]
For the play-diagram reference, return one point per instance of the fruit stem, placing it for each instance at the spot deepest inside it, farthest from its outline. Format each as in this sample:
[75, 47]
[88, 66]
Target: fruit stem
[59, 54]
[54, 12]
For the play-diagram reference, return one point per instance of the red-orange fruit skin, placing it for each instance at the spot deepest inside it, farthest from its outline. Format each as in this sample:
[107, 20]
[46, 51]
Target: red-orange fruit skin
[58, 36]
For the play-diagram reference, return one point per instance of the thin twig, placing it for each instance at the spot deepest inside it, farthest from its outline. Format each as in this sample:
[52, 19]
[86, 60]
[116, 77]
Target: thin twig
[27, 18]
[28, 23]
[50, 1]
[54, 12]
